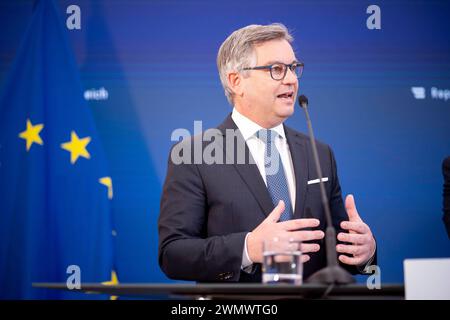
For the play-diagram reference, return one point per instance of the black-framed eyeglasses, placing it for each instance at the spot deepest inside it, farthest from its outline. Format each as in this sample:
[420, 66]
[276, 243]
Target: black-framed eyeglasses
[278, 70]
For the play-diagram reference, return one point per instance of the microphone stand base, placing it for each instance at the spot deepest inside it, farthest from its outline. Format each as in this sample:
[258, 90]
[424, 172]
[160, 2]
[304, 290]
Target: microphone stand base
[331, 275]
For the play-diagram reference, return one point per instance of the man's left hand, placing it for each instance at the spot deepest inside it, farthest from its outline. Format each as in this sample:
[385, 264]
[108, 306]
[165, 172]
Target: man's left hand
[362, 244]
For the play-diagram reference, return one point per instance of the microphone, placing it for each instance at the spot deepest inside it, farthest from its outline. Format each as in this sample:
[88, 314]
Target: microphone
[333, 273]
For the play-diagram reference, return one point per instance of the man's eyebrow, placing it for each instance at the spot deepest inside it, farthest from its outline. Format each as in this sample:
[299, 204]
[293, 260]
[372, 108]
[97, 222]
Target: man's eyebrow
[277, 61]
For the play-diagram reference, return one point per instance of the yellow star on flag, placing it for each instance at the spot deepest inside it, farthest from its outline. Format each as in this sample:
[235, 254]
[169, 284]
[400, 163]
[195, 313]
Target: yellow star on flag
[107, 181]
[114, 281]
[77, 147]
[31, 134]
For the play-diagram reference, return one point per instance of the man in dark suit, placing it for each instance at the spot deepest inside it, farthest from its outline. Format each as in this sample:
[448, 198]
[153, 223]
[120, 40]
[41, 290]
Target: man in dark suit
[253, 178]
[446, 194]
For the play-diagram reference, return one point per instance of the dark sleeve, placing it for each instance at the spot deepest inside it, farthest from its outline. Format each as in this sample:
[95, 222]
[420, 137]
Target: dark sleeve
[339, 213]
[446, 194]
[185, 250]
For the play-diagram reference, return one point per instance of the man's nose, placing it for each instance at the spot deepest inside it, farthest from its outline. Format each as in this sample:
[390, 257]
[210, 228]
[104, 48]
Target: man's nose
[290, 77]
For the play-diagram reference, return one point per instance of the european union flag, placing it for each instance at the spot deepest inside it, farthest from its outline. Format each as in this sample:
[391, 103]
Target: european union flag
[55, 217]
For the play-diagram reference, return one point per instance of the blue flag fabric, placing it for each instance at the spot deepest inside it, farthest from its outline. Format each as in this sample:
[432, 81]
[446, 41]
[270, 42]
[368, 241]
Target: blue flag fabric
[54, 185]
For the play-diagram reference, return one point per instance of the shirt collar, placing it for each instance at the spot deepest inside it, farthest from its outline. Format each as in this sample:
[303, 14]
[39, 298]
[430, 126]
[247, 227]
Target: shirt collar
[249, 128]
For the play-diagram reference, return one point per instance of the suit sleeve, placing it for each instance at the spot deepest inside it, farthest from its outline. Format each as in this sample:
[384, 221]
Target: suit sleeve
[185, 250]
[339, 213]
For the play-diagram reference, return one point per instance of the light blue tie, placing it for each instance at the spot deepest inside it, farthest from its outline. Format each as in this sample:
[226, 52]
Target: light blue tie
[275, 177]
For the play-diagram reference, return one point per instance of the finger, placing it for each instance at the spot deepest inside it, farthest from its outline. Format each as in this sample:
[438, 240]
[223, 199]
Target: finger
[358, 227]
[306, 235]
[354, 238]
[305, 258]
[350, 249]
[309, 247]
[355, 261]
[350, 207]
[275, 215]
[297, 224]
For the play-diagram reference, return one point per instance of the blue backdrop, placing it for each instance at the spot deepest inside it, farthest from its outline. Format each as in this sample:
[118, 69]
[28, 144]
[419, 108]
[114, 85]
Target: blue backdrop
[156, 61]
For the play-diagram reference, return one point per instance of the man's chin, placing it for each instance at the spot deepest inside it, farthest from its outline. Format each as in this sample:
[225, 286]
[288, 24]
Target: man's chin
[285, 111]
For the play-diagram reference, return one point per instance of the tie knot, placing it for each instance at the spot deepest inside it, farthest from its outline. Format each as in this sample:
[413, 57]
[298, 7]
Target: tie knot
[267, 136]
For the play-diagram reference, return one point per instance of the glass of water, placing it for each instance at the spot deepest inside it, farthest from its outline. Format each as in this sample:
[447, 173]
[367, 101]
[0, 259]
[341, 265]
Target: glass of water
[282, 261]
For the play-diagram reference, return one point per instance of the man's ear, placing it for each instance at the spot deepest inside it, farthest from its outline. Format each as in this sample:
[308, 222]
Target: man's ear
[235, 83]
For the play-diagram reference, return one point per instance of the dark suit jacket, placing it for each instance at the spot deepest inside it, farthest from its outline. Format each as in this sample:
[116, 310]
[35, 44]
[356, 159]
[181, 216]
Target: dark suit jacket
[446, 194]
[207, 209]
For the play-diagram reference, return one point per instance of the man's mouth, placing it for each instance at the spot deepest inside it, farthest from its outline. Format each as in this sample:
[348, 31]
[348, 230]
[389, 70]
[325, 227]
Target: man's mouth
[288, 96]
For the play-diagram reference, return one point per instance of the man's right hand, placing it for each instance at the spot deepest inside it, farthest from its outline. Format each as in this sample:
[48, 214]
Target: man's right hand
[271, 228]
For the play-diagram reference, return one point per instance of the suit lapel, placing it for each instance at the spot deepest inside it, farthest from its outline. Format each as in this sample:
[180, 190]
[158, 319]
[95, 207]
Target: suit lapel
[299, 156]
[248, 170]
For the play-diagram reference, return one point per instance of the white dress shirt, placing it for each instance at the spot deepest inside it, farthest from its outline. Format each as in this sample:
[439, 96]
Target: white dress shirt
[248, 130]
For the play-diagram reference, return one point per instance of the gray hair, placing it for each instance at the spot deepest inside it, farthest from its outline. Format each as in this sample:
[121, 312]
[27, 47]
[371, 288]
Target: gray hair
[237, 51]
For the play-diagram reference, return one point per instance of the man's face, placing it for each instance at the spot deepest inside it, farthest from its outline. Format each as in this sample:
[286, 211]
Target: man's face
[270, 101]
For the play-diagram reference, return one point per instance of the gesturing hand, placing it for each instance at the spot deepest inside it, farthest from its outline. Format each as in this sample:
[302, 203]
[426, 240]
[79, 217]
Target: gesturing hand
[271, 228]
[362, 243]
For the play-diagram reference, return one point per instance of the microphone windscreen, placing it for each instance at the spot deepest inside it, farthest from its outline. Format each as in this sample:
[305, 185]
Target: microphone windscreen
[302, 100]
